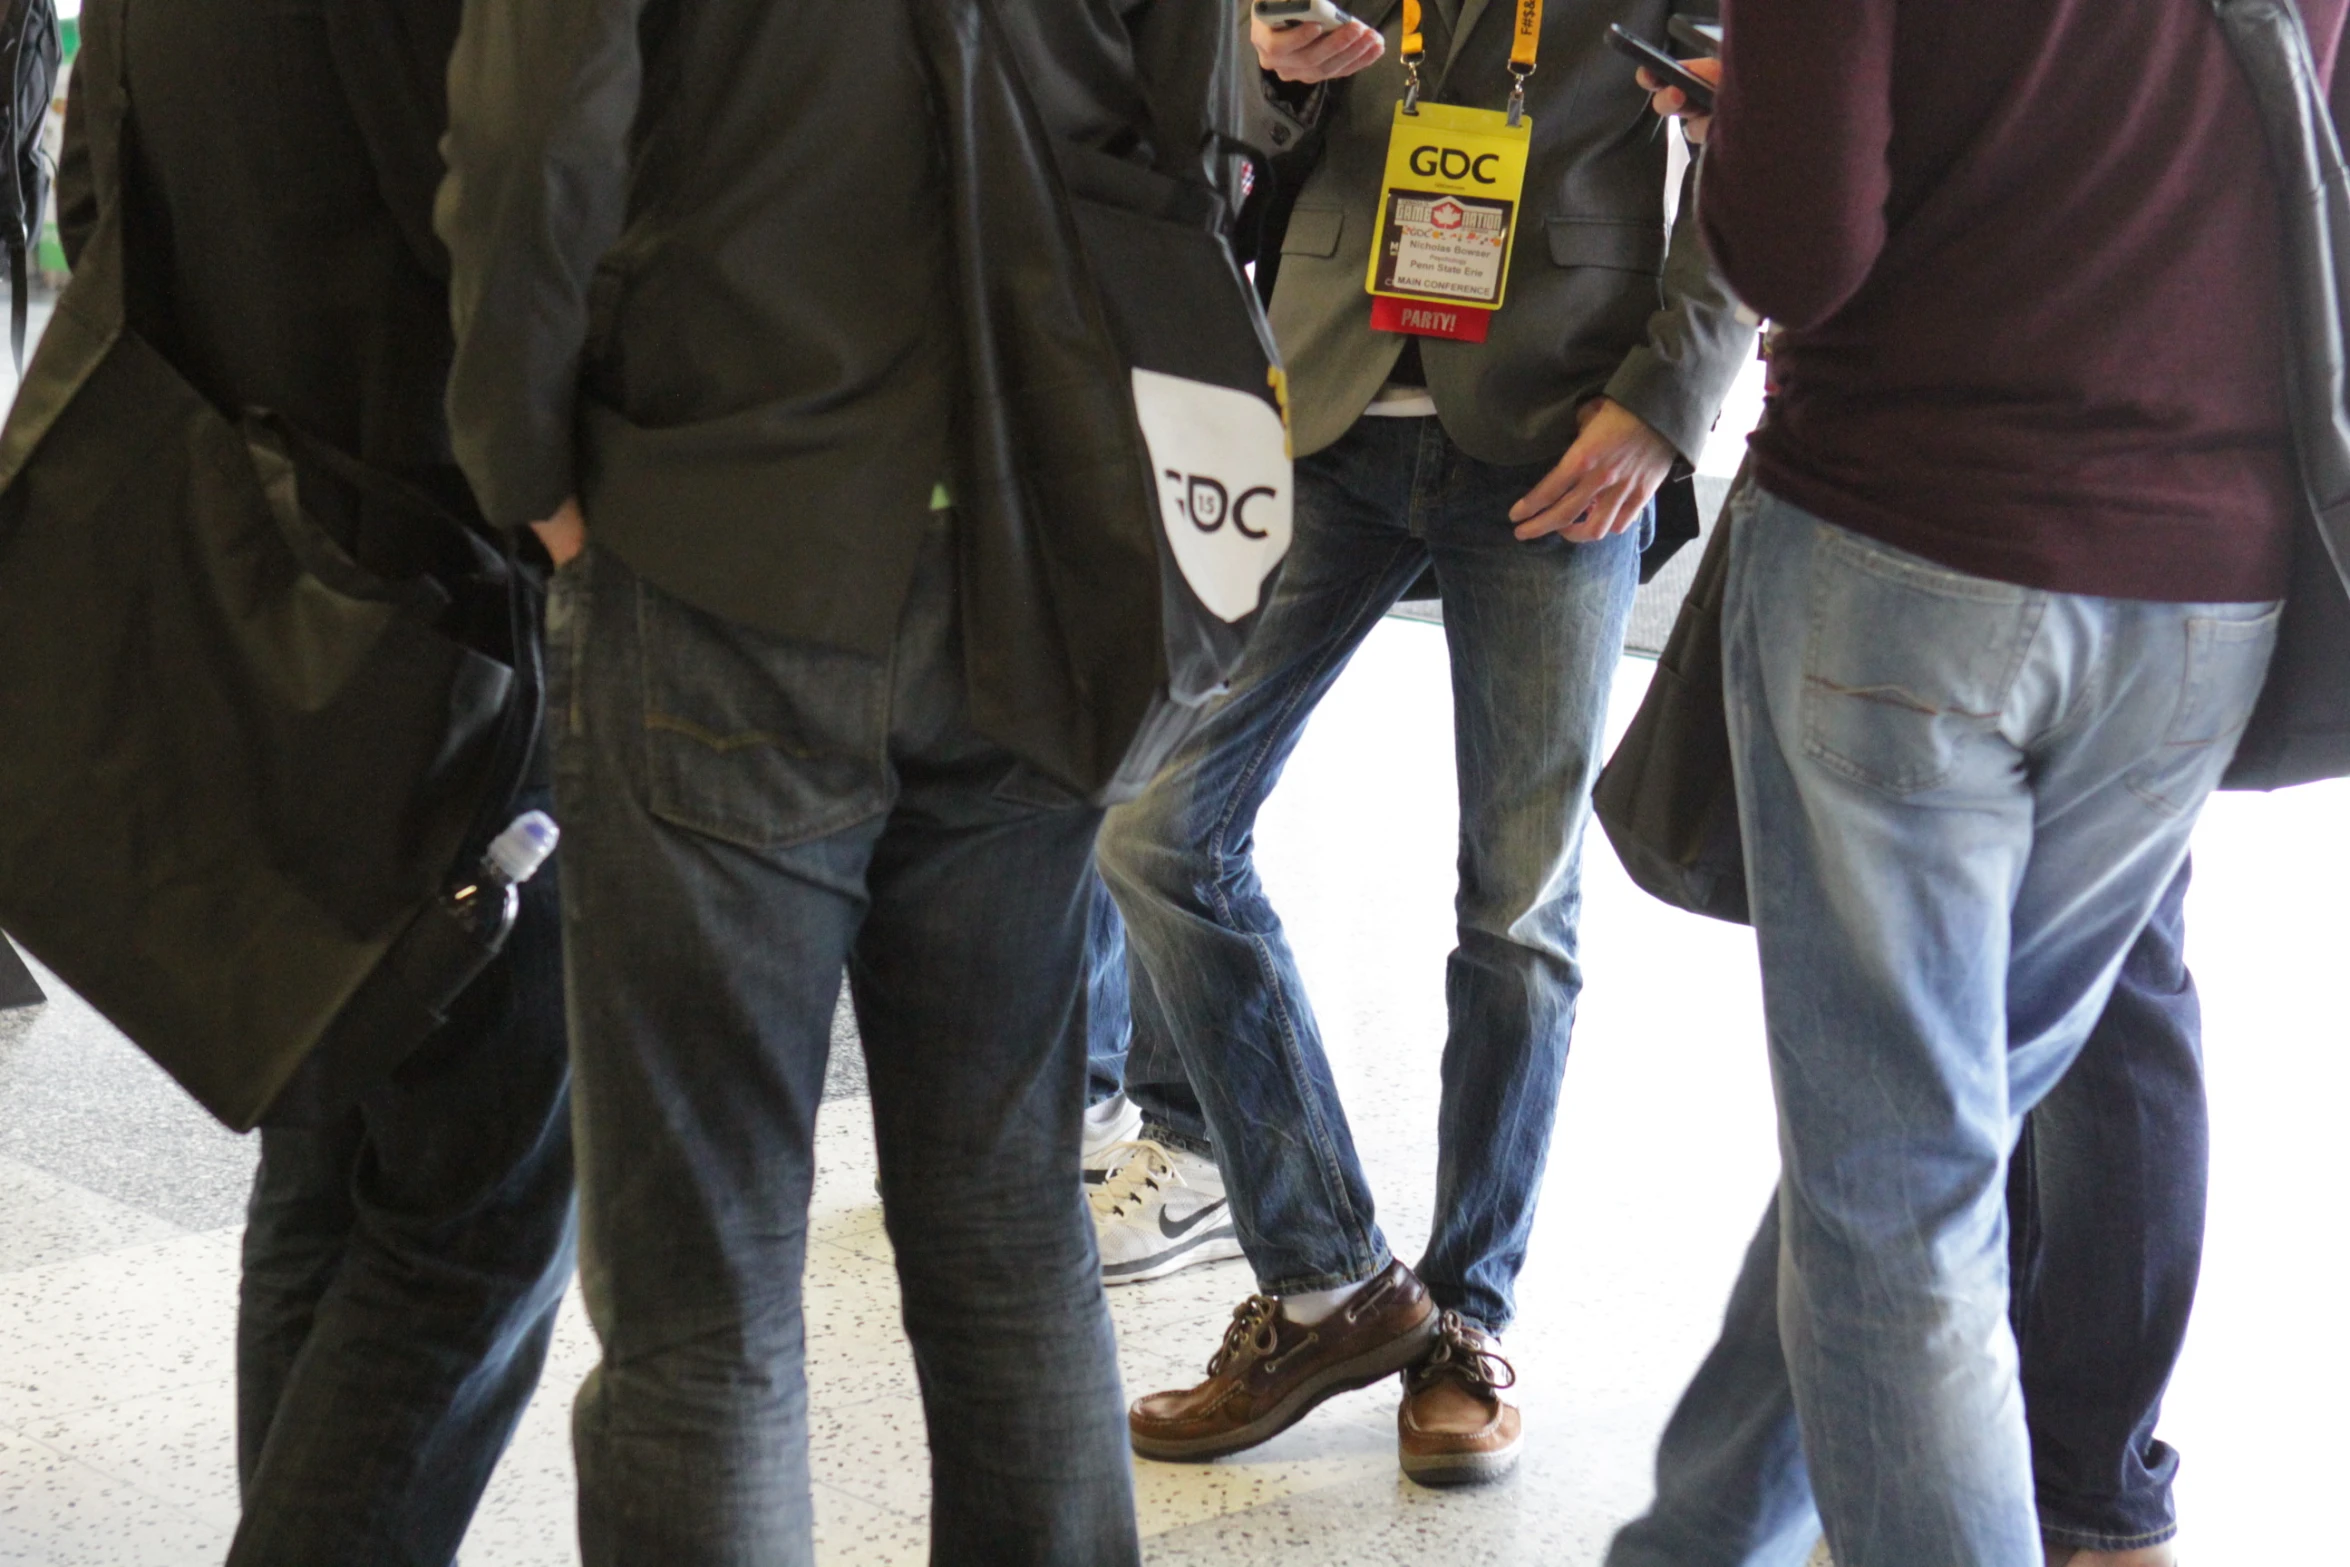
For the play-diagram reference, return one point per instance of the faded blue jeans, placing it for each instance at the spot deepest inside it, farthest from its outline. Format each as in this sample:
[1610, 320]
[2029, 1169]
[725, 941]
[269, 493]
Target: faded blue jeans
[742, 815]
[1961, 801]
[1534, 631]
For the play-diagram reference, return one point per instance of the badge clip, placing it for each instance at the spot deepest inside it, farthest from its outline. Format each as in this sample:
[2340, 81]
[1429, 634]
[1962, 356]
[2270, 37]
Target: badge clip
[1413, 48]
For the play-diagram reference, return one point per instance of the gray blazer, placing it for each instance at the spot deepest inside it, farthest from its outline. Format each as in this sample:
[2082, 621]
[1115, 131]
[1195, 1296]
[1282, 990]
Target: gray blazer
[1599, 301]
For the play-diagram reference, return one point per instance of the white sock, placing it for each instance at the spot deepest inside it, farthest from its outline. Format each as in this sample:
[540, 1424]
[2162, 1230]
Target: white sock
[1312, 1306]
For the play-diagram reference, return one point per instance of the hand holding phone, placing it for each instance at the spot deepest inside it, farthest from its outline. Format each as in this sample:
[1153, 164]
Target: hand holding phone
[1664, 69]
[1312, 40]
[1282, 15]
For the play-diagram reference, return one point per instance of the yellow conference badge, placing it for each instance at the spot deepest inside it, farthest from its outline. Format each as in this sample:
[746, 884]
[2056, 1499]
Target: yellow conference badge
[1449, 204]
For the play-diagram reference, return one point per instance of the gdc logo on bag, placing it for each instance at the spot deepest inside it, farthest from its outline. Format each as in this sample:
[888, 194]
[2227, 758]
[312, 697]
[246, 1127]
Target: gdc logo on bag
[1224, 485]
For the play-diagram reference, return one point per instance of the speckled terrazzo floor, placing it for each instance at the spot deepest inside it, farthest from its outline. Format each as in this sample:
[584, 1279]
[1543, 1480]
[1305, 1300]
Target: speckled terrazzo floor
[118, 1205]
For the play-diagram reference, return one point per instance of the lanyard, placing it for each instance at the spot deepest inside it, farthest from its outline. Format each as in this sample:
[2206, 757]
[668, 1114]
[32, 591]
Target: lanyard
[1525, 40]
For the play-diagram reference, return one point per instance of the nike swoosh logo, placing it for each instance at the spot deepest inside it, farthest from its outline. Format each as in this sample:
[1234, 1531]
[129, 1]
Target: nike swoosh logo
[1176, 1232]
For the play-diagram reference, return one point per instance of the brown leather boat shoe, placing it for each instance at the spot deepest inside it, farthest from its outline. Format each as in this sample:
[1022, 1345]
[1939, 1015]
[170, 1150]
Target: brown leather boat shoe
[1454, 1427]
[1270, 1372]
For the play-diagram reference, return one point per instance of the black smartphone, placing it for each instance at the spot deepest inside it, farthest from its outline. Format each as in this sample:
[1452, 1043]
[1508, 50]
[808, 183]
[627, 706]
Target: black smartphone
[1664, 68]
[1696, 34]
[1282, 15]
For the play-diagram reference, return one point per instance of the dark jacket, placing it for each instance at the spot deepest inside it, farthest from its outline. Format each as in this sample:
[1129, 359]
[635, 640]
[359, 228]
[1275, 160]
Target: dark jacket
[280, 174]
[703, 277]
[1601, 298]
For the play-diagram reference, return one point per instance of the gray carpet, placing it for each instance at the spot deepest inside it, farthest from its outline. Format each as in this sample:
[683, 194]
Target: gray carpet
[78, 1102]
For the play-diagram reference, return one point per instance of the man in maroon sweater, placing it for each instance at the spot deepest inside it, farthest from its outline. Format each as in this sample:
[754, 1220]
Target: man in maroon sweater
[1999, 607]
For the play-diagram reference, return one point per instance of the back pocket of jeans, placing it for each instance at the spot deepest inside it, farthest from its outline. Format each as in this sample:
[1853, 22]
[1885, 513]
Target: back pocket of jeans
[1906, 664]
[2225, 662]
[755, 739]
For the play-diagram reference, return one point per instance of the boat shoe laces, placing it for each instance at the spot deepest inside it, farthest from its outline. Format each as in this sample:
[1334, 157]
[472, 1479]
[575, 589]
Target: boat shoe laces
[1463, 1352]
[1254, 1333]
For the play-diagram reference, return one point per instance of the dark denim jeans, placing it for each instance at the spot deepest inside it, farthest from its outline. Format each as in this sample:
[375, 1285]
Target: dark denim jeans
[2105, 1202]
[1534, 631]
[402, 1268]
[744, 813]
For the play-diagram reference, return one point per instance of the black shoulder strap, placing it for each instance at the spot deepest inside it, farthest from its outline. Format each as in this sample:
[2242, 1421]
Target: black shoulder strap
[2271, 44]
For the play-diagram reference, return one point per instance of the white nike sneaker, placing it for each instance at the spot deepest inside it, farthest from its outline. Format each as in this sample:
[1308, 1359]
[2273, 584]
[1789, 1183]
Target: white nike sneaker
[1158, 1210]
[1109, 1126]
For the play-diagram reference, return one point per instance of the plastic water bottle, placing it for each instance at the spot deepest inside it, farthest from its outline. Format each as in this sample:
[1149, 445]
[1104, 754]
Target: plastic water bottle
[487, 907]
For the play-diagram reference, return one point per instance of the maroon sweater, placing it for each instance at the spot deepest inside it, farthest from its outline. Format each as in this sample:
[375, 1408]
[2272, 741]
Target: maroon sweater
[2028, 256]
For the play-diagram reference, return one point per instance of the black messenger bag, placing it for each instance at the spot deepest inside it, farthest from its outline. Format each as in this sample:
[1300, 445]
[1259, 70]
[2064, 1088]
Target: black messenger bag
[237, 770]
[1122, 483]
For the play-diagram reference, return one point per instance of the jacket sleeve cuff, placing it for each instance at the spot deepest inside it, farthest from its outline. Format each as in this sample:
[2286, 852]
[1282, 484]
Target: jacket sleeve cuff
[1679, 406]
[514, 485]
[1278, 119]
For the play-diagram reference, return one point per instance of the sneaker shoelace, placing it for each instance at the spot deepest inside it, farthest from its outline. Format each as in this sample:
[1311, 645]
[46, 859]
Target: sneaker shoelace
[1141, 1169]
[1461, 1351]
[1252, 1336]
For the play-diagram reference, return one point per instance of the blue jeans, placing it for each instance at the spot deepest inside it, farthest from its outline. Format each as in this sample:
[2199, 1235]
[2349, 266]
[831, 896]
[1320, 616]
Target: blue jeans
[1109, 1029]
[402, 1268]
[1962, 800]
[1127, 1047]
[1534, 631]
[2105, 1202]
[742, 815]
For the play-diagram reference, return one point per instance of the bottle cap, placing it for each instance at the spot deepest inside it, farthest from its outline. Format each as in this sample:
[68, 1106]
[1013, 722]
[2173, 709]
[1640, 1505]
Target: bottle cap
[518, 852]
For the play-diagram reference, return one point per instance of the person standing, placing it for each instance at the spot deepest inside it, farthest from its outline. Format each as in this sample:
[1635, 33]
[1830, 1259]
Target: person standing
[708, 346]
[1999, 607]
[403, 1260]
[1613, 345]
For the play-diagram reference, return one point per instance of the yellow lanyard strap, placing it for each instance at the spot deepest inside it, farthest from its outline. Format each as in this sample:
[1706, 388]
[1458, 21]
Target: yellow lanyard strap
[1527, 39]
[1413, 46]
[1525, 43]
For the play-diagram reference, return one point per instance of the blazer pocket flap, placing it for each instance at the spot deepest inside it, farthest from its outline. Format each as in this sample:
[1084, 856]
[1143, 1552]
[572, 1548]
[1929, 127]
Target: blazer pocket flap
[1313, 231]
[1607, 242]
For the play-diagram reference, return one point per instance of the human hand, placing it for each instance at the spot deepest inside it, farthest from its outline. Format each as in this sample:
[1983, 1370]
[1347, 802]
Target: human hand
[1671, 101]
[1305, 53]
[1615, 466]
[564, 534]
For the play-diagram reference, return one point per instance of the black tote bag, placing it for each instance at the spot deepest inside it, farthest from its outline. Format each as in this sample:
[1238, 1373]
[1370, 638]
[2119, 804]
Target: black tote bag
[236, 769]
[1667, 799]
[1122, 484]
